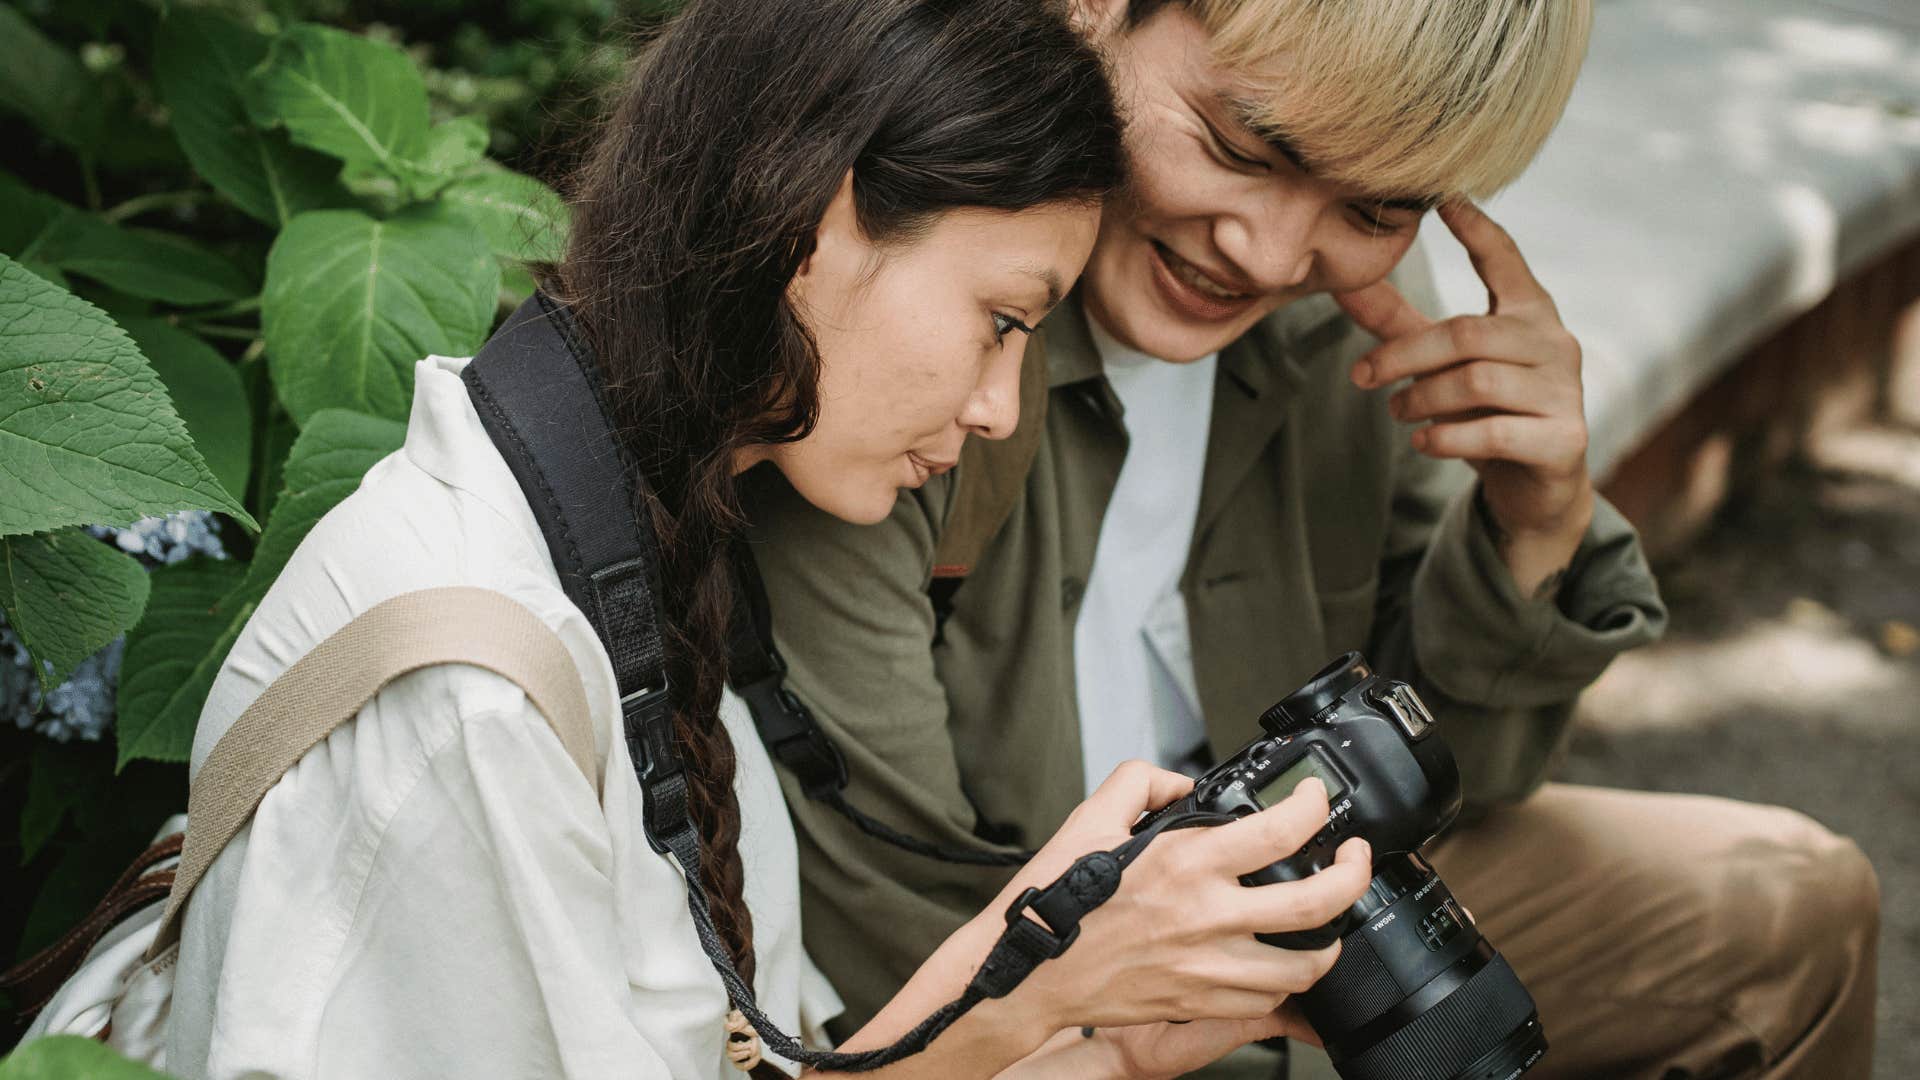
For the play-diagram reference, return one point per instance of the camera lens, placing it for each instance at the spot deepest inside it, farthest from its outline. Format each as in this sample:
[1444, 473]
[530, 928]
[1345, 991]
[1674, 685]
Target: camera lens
[1419, 994]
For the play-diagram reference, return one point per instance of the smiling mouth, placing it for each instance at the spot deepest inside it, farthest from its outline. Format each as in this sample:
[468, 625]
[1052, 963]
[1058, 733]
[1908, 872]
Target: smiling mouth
[1197, 279]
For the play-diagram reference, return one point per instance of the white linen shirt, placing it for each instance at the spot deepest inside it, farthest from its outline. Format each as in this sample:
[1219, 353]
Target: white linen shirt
[434, 889]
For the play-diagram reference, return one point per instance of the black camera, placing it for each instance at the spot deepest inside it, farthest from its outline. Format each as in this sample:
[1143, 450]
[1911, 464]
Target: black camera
[1417, 991]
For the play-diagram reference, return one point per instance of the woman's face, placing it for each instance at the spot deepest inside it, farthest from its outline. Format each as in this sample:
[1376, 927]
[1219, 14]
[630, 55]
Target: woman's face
[920, 343]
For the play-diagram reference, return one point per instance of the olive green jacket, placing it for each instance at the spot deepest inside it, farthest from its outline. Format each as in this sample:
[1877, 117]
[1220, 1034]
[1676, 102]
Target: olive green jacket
[1319, 531]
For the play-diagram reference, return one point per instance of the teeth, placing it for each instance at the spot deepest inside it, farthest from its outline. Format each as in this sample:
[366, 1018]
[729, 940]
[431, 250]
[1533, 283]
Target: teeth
[1191, 274]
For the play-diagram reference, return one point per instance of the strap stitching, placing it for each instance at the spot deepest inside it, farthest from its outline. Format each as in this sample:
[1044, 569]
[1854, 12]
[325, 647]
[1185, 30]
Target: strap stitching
[546, 491]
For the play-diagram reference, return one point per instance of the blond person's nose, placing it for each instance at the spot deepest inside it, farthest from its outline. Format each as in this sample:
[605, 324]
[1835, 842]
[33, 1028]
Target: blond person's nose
[1274, 245]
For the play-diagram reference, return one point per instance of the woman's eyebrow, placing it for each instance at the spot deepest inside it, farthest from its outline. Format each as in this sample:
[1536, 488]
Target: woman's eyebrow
[1045, 275]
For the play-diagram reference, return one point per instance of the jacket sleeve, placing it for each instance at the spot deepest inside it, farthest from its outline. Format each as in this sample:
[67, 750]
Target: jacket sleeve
[1500, 670]
[853, 620]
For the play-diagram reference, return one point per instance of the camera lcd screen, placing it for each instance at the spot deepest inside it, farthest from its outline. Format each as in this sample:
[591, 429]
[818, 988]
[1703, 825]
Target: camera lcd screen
[1282, 786]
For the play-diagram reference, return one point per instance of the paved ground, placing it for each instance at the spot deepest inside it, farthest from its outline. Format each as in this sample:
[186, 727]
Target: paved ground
[1791, 675]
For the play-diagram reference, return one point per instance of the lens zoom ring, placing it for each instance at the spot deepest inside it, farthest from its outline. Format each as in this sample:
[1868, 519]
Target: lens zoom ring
[1453, 1034]
[1355, 990]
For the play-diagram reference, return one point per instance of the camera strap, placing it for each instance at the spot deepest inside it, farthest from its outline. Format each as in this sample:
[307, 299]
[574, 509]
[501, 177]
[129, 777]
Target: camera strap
[792, 735]
[539, 399]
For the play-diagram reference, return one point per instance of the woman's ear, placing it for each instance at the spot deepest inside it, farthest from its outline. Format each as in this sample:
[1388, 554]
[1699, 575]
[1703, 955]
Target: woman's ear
[1097, 20]
[840, 248]
[838, 236]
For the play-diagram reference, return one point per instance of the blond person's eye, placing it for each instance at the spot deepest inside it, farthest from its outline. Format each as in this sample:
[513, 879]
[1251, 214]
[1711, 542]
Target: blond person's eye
[1369, 218]
[1232, 152]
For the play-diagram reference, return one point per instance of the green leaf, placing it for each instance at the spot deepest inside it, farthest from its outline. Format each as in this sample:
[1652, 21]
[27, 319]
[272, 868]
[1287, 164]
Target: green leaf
[72, 1057]
[44, 82]
[199, 607]
[27, 217]
[272, 443]
[201, 65]
[108, 830]
[516, 284]
[343, 95]
[87, 433]
[68, 595]
[206, 391]
[60, 777]
[39, 229]
[452, 148]
[173, 655]
[523, 220]
[335, 449]
[155, 265]
[353, 303]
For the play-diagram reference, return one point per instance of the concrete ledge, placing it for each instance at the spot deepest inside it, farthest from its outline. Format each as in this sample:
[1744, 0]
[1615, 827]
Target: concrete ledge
[1723, 166]
[1854, 357]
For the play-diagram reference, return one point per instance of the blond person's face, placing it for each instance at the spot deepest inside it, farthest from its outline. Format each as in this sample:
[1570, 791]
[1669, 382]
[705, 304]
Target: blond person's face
[921, 343]
[1219, 227]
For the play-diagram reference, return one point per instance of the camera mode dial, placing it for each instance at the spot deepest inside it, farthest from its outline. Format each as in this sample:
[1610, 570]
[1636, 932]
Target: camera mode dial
[1325, 689]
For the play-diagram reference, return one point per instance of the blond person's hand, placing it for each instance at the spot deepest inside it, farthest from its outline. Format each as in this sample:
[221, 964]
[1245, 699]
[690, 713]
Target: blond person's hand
[1501, 391]
[1176, 941]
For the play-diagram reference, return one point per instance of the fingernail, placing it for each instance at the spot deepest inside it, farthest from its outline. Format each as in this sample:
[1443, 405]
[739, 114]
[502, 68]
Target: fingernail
[1316, 782]
[1363, 373]
[1397, 407]
[1420, 439]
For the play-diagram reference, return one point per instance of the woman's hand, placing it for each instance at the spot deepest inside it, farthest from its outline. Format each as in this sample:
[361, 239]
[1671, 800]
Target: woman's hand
[1175, 942]
[1151, 1051]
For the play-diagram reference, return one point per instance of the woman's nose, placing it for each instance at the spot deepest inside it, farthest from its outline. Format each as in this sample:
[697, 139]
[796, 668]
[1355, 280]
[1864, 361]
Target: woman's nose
[993, 409]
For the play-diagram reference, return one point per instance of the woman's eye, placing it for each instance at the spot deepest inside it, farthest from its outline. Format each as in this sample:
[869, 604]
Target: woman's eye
[1007, 324]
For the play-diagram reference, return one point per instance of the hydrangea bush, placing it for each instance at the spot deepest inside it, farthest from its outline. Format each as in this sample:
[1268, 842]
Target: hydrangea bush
[227, 233]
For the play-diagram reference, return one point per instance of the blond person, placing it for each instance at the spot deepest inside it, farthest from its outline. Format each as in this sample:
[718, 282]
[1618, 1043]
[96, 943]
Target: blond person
[1258, 452]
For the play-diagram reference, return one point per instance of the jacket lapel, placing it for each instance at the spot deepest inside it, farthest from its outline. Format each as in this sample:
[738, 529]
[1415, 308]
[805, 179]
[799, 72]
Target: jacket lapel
[1253, 394]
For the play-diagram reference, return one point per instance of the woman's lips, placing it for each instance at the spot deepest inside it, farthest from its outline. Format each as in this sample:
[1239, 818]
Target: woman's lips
[925, 469]
[1191, 292]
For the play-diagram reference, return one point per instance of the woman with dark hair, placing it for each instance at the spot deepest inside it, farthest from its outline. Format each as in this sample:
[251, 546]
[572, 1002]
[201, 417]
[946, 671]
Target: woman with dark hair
[815, 234]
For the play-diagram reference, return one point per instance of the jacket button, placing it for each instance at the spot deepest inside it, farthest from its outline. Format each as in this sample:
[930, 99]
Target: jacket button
[1071, 590]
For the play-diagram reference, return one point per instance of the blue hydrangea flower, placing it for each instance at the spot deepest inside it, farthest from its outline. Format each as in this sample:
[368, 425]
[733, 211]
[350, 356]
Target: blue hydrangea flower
[167, 540]
[82, 707]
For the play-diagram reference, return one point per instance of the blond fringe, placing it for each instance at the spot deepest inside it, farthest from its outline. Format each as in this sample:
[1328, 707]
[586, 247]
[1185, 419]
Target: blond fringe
[1423, 98]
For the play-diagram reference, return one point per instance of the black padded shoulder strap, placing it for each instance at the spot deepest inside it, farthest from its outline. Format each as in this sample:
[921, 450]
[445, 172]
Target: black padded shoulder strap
[539, 399]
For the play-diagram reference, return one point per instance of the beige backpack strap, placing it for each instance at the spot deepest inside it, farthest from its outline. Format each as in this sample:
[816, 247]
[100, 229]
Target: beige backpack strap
[331, 684]
[992, 475]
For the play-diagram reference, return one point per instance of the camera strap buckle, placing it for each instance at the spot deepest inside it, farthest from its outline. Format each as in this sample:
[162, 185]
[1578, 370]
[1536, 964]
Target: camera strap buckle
[790, 732]
[1058, 908]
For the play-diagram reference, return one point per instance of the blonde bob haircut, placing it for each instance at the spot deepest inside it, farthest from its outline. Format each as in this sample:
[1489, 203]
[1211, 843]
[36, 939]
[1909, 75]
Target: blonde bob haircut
[1404, 98]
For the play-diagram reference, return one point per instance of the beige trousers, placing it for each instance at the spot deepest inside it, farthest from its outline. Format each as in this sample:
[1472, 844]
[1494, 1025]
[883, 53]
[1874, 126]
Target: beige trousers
[1674, 937]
